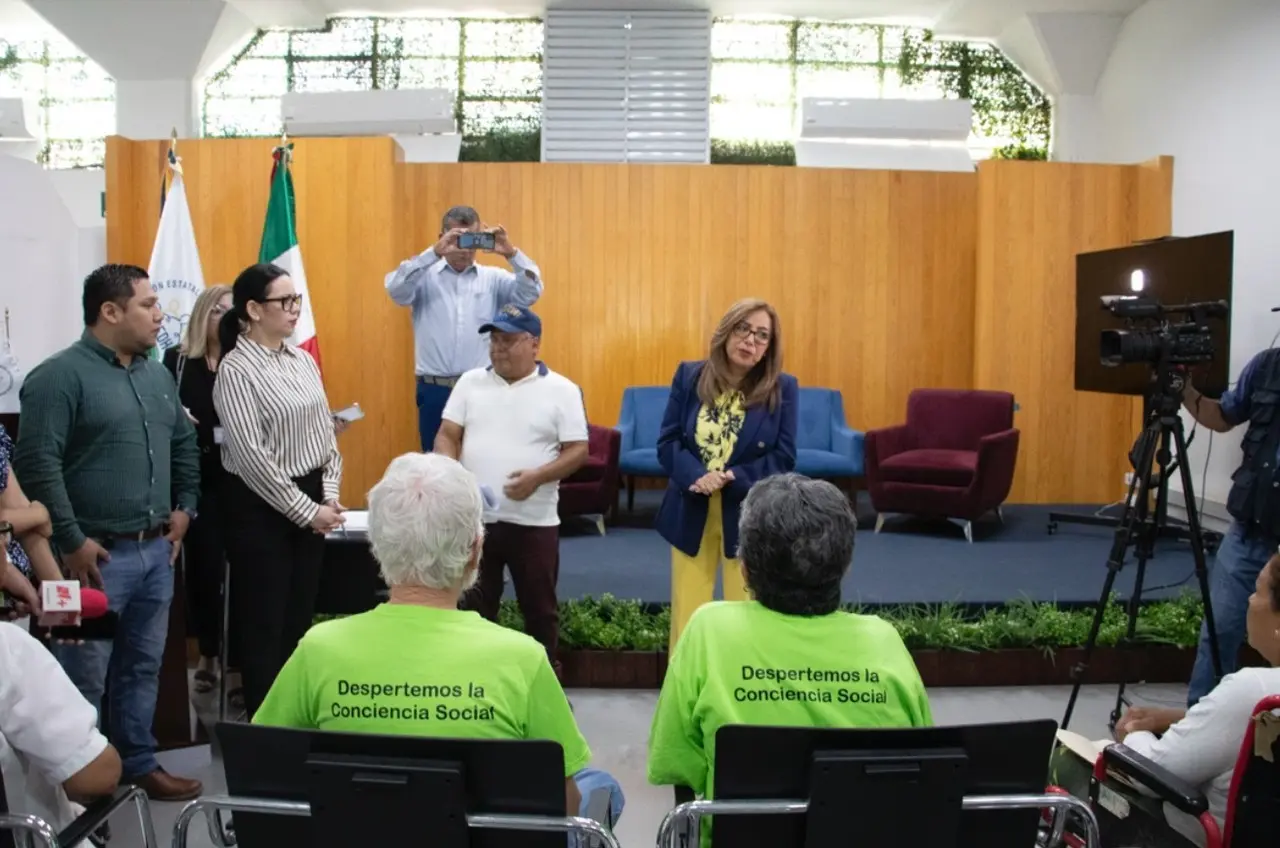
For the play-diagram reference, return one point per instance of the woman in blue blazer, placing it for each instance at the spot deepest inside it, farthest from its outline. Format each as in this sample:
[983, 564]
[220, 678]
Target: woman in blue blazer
[730, 420]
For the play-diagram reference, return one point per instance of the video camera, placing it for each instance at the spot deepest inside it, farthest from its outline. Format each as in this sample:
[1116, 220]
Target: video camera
[1156, 339]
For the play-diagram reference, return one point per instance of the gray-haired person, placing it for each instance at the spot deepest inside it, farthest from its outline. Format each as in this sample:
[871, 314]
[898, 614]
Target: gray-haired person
[418, 665]
[450, 297]
[789, 656]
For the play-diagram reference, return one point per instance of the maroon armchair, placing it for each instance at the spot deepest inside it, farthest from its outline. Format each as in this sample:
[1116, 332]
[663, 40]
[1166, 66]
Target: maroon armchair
[593, 488]
[953, 459]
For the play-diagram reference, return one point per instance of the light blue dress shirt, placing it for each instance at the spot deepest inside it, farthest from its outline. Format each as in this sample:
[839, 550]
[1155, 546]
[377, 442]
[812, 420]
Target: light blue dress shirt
[450, 307]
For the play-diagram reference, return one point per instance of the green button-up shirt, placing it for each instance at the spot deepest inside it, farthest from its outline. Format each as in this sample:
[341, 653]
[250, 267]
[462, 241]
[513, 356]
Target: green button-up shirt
[105, 447]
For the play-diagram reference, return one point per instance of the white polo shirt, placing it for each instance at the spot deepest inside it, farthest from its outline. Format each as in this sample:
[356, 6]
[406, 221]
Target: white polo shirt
[508, 427]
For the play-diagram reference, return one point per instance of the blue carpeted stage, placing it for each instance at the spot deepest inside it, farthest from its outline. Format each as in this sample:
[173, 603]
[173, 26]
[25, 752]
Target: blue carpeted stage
[908, 563]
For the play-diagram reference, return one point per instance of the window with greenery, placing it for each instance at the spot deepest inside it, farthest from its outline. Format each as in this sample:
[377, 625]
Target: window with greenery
[71, 99]
[493, 65]
[762, 68]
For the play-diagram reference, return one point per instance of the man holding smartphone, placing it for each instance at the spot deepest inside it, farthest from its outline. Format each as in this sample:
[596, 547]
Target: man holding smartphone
[451, 297]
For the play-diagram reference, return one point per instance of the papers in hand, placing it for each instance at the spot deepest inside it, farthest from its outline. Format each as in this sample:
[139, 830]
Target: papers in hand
[357, 521]
[1085, 749]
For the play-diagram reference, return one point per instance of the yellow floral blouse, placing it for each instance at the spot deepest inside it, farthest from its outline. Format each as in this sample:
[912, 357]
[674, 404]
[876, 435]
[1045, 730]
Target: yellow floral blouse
[718, 427]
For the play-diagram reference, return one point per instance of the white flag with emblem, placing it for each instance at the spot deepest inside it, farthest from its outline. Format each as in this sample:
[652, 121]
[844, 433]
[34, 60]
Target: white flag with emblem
[10, 374]
[175, 270]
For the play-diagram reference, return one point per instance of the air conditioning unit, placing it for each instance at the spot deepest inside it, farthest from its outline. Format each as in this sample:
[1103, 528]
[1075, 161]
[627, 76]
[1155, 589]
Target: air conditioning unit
[896, 135]
[915, 120]
[14, 125]
[355, 113]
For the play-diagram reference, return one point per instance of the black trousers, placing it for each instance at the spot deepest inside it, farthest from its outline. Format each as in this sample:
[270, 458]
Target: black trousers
[204, 557]
[275, 576]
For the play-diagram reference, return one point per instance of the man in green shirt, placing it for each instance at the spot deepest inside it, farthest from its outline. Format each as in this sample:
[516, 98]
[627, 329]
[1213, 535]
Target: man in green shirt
[790, 657]
[418, 665]
[105, 445]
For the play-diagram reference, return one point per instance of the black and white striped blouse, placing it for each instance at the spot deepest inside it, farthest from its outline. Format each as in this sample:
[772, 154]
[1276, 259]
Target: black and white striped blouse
[276, 425]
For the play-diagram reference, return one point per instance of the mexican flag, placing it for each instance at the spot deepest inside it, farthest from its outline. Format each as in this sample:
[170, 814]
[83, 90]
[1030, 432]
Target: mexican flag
[175, 270]
[280, 245]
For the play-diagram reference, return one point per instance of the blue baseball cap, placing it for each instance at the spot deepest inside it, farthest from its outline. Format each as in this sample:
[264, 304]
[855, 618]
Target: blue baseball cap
[515, 319]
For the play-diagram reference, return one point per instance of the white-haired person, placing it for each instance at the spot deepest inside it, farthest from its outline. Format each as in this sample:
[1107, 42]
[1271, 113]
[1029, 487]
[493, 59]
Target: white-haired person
[487, 682]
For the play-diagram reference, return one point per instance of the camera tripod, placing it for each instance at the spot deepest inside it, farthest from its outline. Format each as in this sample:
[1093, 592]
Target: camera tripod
[1139, 527]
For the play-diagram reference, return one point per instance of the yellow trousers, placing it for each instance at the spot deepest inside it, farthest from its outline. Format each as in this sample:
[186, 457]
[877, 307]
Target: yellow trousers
[693, 578]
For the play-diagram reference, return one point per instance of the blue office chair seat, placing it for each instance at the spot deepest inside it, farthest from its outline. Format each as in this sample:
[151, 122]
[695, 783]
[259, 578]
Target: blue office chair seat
[824, 464]
[642, 462]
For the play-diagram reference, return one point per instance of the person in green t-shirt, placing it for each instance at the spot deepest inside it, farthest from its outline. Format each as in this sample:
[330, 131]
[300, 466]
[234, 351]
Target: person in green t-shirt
[789, 657]
[418, 665]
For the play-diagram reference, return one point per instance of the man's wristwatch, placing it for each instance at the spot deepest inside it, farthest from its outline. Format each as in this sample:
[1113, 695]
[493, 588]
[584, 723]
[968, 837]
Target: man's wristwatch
[191, 513]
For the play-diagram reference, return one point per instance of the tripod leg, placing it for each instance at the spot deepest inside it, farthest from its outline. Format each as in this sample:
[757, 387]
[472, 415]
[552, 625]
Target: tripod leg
[1197, 547]
[1139, 491]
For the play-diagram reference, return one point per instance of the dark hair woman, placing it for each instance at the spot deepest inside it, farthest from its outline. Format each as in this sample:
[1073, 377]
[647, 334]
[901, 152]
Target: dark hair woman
[730, 421]
[281, 455]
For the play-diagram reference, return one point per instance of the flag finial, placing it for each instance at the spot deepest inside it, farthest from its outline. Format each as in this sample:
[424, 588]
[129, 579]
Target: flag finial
[173, 139]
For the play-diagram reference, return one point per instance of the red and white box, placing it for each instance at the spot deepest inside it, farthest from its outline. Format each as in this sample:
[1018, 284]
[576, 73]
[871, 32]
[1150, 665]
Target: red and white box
[60, 602]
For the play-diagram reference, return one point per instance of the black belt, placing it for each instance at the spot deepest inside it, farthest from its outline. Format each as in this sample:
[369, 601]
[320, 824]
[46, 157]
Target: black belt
[446, 382]
[140, 536]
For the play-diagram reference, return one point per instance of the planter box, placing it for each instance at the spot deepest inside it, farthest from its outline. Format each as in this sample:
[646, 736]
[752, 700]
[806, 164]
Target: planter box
[589, 669]
[1033, 667]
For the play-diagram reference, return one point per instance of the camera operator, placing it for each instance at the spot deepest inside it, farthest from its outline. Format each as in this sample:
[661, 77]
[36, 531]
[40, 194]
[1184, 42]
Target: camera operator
[1253, 502]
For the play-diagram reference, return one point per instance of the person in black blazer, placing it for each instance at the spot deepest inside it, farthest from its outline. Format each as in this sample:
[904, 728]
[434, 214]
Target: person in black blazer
[194, 365]
[730, 421]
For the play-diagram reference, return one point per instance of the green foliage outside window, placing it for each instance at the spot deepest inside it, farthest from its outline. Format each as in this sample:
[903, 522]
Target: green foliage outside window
[494, 65]
[74, 99]
[761, 69]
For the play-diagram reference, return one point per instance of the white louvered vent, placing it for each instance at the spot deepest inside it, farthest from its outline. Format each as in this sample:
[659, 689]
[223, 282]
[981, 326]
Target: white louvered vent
[622, 86]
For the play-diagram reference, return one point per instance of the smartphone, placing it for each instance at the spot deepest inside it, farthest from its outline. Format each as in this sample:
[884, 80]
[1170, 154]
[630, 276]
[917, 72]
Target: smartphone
[476, 241]
[351, 413]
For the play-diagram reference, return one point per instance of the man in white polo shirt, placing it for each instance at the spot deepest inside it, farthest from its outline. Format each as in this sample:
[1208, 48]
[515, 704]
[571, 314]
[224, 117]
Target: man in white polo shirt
[520, 428]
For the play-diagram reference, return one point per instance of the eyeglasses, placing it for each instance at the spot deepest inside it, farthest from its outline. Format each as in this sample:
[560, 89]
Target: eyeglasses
[218, 311]
[743, 330]
[288, 302]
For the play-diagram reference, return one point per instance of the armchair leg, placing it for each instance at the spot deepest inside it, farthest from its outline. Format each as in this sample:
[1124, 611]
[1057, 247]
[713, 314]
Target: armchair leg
[631, 493]
[968, 532]
[879, 521]
[1000, 514]
[600, 524]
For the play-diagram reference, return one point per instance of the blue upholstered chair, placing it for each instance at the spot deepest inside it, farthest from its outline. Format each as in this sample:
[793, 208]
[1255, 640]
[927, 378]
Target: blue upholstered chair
[639, 422]
[826, 448]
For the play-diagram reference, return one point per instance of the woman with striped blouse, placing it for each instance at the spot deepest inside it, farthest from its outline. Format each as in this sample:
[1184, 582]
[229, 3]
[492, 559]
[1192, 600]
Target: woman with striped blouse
[284, 470]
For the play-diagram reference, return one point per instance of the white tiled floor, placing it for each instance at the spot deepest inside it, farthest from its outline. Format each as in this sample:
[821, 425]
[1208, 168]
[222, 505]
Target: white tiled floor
[616, 723]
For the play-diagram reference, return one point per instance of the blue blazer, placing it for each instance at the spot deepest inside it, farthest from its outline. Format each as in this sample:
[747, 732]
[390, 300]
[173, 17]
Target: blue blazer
[766, 445]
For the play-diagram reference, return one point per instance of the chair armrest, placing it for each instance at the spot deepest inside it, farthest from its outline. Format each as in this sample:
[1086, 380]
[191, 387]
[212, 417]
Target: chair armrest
[1159, 780]
[890, 440]
[997, 460]
[847, 442]
[95, 815]
[627, 430]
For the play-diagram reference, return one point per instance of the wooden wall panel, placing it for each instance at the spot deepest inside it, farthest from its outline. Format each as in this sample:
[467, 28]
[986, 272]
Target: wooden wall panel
[871, 271]
[886, 281]
[1033, 218]
[347, 226]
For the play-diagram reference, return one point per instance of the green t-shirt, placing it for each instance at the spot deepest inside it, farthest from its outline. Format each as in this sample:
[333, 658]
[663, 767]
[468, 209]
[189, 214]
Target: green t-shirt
[423, 671]
[740, 663]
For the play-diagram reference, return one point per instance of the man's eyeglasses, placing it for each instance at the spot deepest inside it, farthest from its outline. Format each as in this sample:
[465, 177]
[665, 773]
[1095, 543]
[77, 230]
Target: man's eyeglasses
[288, 302]
[506, 341]
[744, 329]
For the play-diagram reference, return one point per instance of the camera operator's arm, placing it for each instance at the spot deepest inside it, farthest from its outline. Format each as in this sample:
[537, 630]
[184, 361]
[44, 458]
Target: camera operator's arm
[1232, 408]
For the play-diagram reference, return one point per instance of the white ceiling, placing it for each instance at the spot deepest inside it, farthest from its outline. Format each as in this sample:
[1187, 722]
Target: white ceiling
[981, 19]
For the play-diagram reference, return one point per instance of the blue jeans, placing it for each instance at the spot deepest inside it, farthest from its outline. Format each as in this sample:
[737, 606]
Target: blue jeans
[1232, 577]
[602, 800]
[138, 581]
[431, 400]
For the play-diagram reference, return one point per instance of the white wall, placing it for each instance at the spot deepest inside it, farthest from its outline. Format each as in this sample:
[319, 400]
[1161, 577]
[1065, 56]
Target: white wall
[1197, 79]
[40, 254]
[81, 192]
